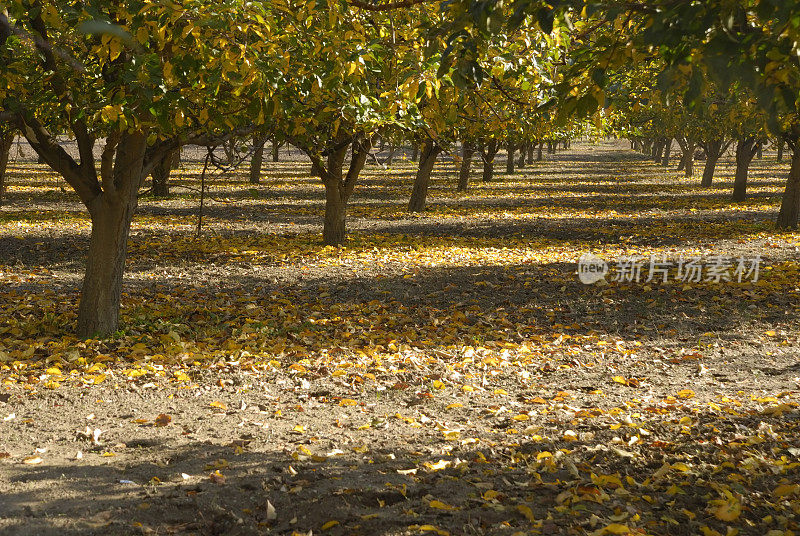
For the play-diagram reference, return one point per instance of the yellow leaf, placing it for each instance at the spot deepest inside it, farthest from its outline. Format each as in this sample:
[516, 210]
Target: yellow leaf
[439, 505]
[490, 495]
[616, 528]
[612, 481]
[348, 402]
[218, 405]
[527, 512]
[685, 393]
[451, 435]
[162, 420]
[620, 379]
[682, 467]
[329, 524]
[430, 528]
[727, 509]
[299, 429]
[785, 489]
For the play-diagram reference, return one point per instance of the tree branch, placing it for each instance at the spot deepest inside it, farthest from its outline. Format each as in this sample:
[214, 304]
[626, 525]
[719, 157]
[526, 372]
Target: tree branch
[84, 140]
[57, 158]
[386, 7]
[107, 161]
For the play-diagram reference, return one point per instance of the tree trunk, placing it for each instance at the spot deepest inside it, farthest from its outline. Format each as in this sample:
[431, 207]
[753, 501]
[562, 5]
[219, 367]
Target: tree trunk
[161, 172]
[419, 194]
[98, 313]
[760, 152]
[6, 140]
[414, 152]
[229, 148]
[688, 169]
[780, 150]
[511, 148]
[539, 152]
[257, 160]
[488, 155]
[523, 149]
[339, 187]
[687, 156]
[466, 164]
[746, 148]
[655, 154]
[667, 151]
[334, 226]
[708, 171]
[111, 212]
[390, 157]
[531, 148]
[276, 150]
[790, 205]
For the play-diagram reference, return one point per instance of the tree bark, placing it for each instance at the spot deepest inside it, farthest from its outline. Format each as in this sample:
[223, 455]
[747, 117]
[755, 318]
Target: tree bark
[656, 151]
[746, 148]
[276, 150]
[390, 156]
[687, 156]
[790, 205]
[781, 143]
[161, 172]
[427, 160]
[414, 152]
[257, 160]
[523, 149]
[334, 230]
[667, 151]
[111, 211]
[6, 140]
[531, 148]
[466, 164]
[511, 148]
[540, 151]
[713, 149]
[708, 171]
[339, 187]
[488, 153]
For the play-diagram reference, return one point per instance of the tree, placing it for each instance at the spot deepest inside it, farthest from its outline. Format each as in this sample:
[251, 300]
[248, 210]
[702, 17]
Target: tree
[342, 83]
[151, 78]
[162, 169]
[6, 140]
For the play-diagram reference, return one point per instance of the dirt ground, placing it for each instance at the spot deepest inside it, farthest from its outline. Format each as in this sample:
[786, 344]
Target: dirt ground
[443, 373]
